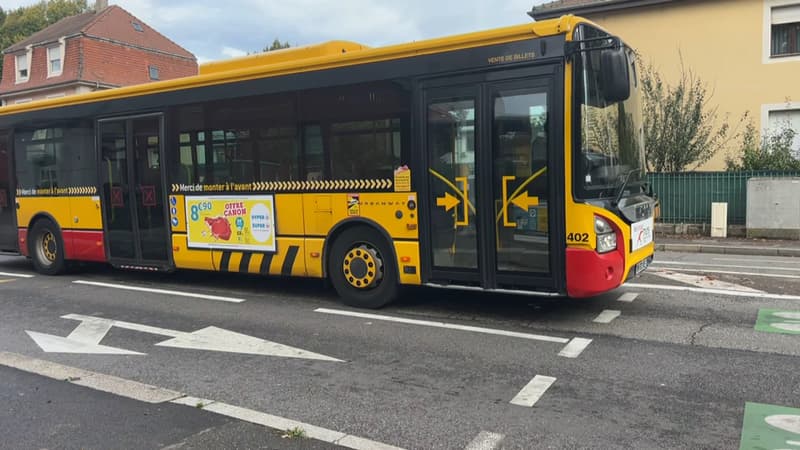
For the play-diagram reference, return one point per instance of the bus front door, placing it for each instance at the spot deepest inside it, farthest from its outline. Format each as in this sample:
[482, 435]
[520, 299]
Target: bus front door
[492, 202]
[8, 212]
[133, 197]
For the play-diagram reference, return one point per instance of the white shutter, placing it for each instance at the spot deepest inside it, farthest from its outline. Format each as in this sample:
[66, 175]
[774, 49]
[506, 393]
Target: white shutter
[786, 14]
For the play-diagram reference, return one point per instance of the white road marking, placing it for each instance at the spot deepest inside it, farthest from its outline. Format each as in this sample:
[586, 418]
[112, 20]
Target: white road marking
[726, 272]
[451, 326]
[91, 330]
[628, 297]
[18, 275]
[667, 287]
[153, 394]
[57, 344]
[5, 281]
[533, 391]
[161, 291]
[97, 381]
[485, 440]
[311, 431]
[703, 281]
[575, 347]
[793, 442]
[726, 266]
[607, 316]
[210, 338]
[782, 260]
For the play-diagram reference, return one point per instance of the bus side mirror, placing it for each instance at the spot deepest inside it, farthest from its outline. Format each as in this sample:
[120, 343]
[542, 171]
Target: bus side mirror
[615, 75]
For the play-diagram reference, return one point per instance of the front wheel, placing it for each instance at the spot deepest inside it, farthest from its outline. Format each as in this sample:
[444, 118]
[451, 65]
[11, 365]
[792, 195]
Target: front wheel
[362, 269]
[46, 248]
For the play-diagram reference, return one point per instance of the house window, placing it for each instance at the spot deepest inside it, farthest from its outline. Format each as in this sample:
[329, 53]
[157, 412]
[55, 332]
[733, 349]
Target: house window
[786, 118]
[137, 26]
[153, 72]
[785, 31]
[22, 68]
[54, 61]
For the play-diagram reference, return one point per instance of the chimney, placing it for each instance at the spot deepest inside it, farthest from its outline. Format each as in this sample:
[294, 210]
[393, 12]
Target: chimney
[100, 5]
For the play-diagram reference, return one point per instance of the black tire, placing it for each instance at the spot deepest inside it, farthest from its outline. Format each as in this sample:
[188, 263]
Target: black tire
[362, 268]
[46, 248]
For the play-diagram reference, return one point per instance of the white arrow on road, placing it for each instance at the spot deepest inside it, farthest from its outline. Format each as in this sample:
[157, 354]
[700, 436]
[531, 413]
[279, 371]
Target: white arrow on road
[87, 336]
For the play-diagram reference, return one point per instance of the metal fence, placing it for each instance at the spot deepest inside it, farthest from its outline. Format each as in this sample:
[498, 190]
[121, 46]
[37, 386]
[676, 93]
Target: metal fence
[686, 197]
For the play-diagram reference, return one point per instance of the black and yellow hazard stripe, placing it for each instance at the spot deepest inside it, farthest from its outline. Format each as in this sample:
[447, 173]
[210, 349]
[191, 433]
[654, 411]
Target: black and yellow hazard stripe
[283, 263]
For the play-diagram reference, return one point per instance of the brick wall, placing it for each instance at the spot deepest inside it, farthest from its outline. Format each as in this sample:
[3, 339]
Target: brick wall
[122, 65]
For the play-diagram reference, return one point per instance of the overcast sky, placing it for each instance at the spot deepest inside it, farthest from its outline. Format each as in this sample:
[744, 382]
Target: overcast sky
[219, 29]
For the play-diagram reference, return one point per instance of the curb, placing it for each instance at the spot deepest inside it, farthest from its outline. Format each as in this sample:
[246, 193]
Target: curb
[729, 250]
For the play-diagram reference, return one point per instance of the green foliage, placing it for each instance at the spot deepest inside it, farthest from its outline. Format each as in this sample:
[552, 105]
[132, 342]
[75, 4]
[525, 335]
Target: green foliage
[680, 124]
[772, 152]
[18, 24]
[276, 45]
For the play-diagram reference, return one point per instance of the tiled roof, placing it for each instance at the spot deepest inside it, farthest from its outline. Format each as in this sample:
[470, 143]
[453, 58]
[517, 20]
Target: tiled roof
[64, 27]
[559, 7]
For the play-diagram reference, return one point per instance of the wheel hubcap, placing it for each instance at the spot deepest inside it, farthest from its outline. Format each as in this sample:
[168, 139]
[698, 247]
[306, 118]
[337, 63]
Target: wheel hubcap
[362, 266]
[48, 248]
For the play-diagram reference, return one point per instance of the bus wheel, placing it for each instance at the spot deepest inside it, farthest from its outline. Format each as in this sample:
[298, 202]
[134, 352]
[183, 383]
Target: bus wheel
[47, 248]
[362, 269]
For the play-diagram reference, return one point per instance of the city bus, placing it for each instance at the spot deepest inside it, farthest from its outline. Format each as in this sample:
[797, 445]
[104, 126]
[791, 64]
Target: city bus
[508, 160]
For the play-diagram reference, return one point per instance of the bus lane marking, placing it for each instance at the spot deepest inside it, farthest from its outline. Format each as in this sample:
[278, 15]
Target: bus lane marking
[16, 275]
[703, 281]
[160, 291]
[485, 440]
[87, 336]
[727, 272]
[533, 391]
[572, 349]
[607, 316]
[725, 266]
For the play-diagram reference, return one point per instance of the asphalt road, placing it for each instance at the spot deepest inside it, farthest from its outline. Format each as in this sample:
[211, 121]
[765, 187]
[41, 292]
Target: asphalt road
[674, 366]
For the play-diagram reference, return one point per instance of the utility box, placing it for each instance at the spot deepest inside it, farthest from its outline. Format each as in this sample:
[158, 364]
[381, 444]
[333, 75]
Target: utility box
[719, 220]
[773, 208]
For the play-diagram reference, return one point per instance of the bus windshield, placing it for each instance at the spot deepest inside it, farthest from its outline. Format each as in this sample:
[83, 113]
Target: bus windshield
[610, 150]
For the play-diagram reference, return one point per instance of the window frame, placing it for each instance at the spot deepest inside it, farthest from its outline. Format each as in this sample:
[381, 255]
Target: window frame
[60, 49]
[776, 107]
[767, 57]
[151, 69]
[17, 69]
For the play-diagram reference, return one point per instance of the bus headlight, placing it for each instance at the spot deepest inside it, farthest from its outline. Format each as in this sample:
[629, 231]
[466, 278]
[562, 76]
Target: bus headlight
[606, 237]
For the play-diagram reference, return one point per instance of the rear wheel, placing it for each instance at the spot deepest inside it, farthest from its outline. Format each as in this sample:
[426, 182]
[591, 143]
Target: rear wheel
[47, 248]
[362, 269]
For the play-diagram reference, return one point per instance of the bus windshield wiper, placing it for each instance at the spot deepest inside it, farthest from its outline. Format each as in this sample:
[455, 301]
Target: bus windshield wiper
[621, 189]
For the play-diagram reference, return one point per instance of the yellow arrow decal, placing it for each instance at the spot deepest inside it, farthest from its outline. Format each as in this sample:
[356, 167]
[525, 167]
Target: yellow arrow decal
[523, 201]
[448, 201]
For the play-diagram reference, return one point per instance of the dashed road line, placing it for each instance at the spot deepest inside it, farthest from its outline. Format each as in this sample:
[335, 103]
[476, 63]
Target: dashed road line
[533, 391]
[575, 347]
[628, 296]
[16, 275]
[669, 287]
[161, 291]
[153, 394]
[607, 316]
[485, 440]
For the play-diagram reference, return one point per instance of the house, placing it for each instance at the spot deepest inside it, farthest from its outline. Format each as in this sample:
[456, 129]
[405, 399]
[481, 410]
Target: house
[746, 51]
[100, 49]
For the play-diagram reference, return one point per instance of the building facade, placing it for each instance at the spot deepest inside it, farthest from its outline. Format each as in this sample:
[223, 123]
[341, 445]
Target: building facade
[746, 51]
[105, 48]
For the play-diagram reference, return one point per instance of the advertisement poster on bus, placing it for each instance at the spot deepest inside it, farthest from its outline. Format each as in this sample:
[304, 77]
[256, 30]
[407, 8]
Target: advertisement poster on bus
[231, 222]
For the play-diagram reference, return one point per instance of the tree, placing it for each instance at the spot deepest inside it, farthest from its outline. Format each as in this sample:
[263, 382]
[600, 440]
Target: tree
[19, 24]
[680, 124]
[276, 45]
[772, 152]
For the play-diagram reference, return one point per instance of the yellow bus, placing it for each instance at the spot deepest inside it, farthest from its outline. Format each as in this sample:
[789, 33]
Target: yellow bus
[508, 160]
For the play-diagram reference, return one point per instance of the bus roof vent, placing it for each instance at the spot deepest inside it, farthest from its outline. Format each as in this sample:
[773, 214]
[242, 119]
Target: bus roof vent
[329, 48]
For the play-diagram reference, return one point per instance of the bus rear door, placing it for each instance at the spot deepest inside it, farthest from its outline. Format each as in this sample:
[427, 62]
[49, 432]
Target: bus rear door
[133, 197]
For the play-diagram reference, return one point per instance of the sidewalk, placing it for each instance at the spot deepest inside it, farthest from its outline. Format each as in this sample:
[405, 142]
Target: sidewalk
[727, 246]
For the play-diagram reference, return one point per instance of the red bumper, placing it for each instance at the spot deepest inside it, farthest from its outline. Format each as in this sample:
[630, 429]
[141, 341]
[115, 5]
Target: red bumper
[590, 273]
